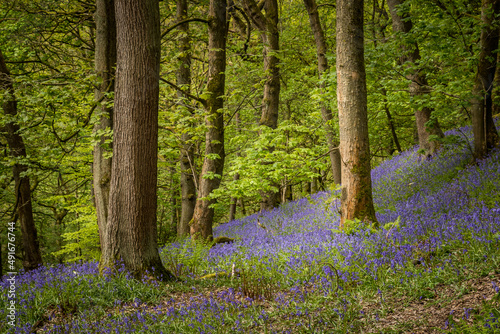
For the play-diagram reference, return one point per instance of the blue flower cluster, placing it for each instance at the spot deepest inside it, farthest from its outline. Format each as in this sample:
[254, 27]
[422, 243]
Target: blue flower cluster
[423, 206]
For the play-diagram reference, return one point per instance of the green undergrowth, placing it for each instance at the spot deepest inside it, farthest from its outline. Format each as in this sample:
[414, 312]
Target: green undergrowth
[443, 286]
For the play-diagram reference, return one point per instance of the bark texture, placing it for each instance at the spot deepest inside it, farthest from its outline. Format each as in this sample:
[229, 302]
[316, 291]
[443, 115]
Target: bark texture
[105, 62]
[418, 83]
[326, 113]
[268, 26]
[353, 120]
[31, 251]
[132, 229]
[485, 134]
[390, 123]
[236, 177]
[213, 164]
[188, 186]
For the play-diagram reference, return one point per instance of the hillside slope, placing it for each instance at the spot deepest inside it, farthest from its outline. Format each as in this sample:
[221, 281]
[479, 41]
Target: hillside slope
[433, 267]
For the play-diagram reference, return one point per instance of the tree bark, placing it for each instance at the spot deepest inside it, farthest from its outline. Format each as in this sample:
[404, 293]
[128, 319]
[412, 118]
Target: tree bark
[32, 257]
[188, 186]
[234, 201]
[326, 112]
[426, 125]
[390, 122]
[213, 164]
[132, 227]
[105, 62]
[174, 193]
[236, 177]
[268, 26]
[485, 134]
[353, 119]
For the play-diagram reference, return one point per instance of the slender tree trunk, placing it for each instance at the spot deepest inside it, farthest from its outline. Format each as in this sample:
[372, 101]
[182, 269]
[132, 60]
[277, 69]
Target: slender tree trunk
[268, 26]
[314, 185]
[236, 177]
[286, 187]
[32, 257]
[213, 164]
[105, 62]
[174, 193]
[353, 119]
[426, 125]
[326, 113]
[496, 91]
[234, 201]
[242, 205]
[390, 122]
[485, 134]
[188, 186]
[132, 226]
[271, 99]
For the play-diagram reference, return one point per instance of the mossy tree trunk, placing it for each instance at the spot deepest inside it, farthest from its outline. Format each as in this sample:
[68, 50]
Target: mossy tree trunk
[32, 257]
[356, 195]
[213, 164]
[326, 112]
[427, 126]
[132, 225]
[105, 63]
[188, 186]
[485, 134]
[268, 27]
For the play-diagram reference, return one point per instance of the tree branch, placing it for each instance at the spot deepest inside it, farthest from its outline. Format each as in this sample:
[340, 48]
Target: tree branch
[199, 99]
[169, 29]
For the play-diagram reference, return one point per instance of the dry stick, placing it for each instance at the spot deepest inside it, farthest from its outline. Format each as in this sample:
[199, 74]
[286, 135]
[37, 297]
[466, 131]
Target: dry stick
[336, 275]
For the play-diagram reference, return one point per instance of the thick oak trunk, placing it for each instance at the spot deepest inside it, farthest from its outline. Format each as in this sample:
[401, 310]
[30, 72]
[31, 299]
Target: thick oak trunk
[353, 119]
[213, 164]
[105, 62]
[132, 228]
[31, 251]
[326, 113]
[426, 126]
[188, 186]
[485, 134]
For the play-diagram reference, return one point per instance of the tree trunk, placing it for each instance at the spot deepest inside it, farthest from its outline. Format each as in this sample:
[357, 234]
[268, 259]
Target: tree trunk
[132, 228]
[188, 186]
[496, 91]
[32, 257]
[268, 26]
[485, 134]
[236, 177]
[234, 201]
[353, 119]
[390, 122]
[105, 62]
[314, 185]
[242, 205]
[174, 194]
[213, 164]
[426, 125]
[271, 98]
[326, 113]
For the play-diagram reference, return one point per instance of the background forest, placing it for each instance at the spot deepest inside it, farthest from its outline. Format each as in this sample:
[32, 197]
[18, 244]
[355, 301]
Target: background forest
[258, 167]
[49, 52]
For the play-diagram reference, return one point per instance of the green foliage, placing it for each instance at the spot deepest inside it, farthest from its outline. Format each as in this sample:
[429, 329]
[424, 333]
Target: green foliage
[83, 243]
[49, 48]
